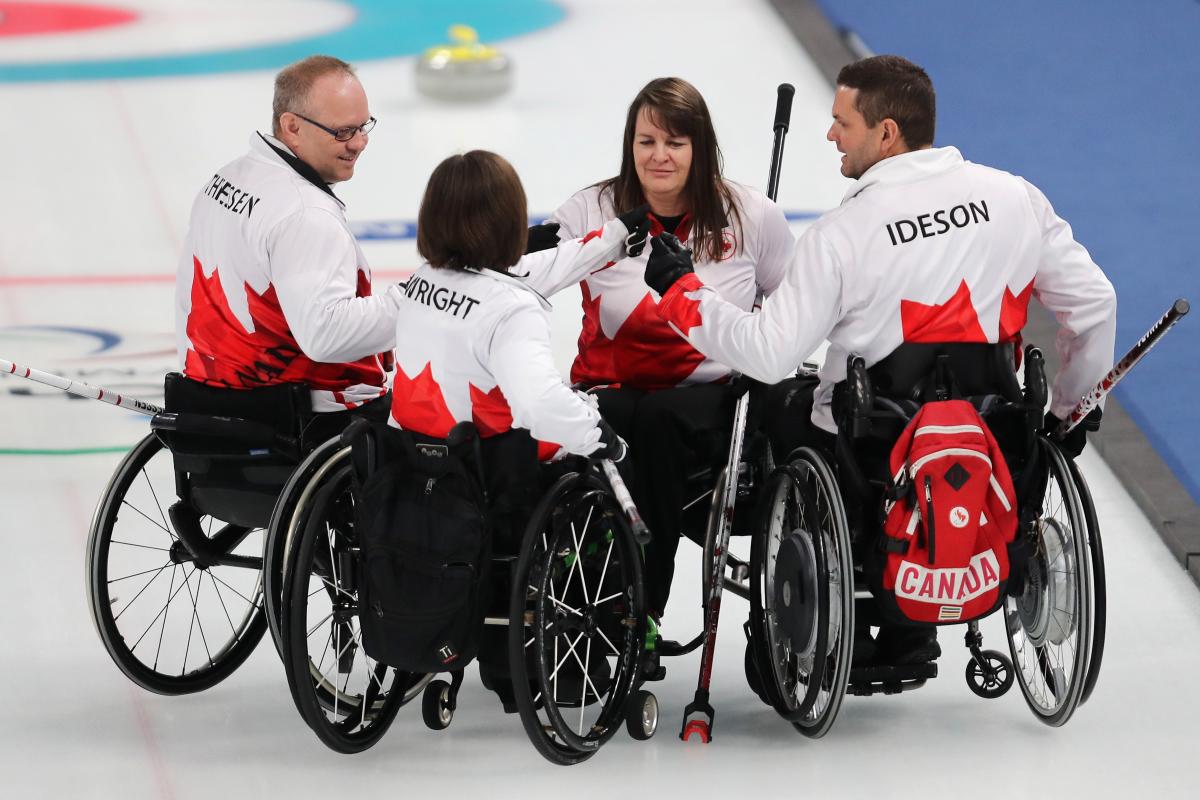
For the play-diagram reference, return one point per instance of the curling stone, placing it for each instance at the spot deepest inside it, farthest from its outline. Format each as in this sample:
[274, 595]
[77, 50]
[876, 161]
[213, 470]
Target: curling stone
[464, 70]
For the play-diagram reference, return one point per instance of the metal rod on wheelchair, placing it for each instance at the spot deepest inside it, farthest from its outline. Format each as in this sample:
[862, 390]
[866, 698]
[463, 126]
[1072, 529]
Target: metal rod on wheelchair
[641, 533]
[79, 388]
[1176, 312]
[699, 714]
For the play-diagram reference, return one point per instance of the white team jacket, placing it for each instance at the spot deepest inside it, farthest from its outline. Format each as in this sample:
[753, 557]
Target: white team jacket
[925, 247]
[624, 340]
[475, 345]
[273, 288]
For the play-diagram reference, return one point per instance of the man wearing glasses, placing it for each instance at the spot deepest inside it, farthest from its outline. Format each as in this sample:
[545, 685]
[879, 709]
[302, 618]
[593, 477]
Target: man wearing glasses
[272, 286]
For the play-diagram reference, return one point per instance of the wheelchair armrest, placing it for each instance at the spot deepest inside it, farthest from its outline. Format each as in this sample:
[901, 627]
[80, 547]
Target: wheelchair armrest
[231, 429]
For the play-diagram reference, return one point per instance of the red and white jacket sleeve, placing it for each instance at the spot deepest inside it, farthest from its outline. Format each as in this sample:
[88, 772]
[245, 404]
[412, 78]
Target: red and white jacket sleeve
[1069, 283]
[770, 344]
[550, 271]
[315, 275]
[520, 358]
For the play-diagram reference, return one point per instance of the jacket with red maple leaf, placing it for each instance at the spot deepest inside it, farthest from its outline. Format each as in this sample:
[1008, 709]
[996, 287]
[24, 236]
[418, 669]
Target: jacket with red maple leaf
[925, 247]
[623, 340]
[273, 288]
[474, 345]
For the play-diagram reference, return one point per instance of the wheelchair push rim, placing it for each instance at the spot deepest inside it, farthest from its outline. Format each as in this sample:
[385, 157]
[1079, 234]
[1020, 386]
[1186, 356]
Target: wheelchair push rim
[1050, 623]
[577, 620]
[172, 625]
[803, 626]
[347, 698]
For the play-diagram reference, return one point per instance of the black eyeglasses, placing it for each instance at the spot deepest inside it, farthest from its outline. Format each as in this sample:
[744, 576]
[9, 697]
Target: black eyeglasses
[342, 134]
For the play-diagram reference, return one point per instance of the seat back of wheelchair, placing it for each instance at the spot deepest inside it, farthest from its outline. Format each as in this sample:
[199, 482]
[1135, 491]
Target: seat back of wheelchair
[233, 449]
[874, 405]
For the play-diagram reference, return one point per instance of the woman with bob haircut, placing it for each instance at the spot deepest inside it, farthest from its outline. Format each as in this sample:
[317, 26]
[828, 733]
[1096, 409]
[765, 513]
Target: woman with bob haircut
[660, 394]
[472, 341]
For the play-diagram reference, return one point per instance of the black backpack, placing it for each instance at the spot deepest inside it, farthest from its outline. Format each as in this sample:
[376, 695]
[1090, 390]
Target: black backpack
[425, 547]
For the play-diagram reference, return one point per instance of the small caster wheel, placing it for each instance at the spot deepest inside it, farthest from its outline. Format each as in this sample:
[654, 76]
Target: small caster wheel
[437, 706]
[641, 715]
[992, 678]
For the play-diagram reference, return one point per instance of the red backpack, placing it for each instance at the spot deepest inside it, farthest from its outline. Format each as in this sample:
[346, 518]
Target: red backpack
[949, 519]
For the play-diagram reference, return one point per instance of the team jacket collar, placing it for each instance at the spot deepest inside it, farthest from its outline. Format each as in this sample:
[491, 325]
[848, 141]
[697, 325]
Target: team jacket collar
[512, 281]
[905, 168]
[270, 146]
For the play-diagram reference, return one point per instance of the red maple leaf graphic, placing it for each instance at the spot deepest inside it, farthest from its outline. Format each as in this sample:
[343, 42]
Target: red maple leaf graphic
[492, 416]
[224, 353]
[645, 352]
[680, 309]
[418, 404]
[1014, 310]
[953, 321]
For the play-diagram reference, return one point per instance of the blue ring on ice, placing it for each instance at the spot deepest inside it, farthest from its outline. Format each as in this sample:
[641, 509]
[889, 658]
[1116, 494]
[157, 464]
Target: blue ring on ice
[380, 29]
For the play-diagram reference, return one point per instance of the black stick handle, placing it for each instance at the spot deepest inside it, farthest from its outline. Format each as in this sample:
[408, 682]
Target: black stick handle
[1092, 399]
[783, 117]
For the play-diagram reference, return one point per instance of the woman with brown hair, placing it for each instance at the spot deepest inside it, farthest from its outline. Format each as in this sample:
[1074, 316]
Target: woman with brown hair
[472, 341]
[659, 393]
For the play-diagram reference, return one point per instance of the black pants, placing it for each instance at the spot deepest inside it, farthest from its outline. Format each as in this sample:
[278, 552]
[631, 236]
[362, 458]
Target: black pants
[325, 425]
[788, 418]
[672, 433]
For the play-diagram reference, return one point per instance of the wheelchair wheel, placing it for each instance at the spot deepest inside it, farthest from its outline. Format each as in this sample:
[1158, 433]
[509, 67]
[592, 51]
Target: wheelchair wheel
[1099, 587]
[802, 594]
[346, 697]
[1050, 624]
[172, 624]
[578, 620]
[281, 530]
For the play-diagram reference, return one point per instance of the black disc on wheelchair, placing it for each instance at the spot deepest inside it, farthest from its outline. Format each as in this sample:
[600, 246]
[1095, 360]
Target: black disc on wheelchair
[991, 678]
[577, 620]
[1099, 585]
[802, 594]
[173, 622]
[1050, 623]
[297, 491]
[344, 695]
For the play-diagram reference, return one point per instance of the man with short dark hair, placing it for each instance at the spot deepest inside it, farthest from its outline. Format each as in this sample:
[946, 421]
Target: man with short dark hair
[925, 247]
[272, 286]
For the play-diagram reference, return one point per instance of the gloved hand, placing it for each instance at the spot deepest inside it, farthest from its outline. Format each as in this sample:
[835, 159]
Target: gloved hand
[542, 237]
[614, 447]
[638, 224]
[1072, 444]
[669, 261]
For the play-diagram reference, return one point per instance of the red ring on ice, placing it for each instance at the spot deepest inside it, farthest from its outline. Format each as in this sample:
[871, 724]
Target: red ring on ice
[31, 19]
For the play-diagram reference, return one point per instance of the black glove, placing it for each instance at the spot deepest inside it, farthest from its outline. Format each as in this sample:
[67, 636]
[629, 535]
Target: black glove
[638, 224]
[669, 261]
[542, 237]
[614, 447]
[1072, 444]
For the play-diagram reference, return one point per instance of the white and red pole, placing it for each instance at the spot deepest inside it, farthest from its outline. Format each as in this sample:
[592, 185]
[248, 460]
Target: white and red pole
[79, 388]
[1136, 353]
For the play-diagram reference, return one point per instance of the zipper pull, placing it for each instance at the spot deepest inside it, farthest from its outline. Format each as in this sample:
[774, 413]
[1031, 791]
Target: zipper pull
[429, 486]
[929, 519]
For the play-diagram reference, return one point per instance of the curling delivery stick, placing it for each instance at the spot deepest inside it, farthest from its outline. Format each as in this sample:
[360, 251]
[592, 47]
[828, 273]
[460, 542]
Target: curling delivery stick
[1136, 353]
[699, 714]
[640, 532]
[79, 388]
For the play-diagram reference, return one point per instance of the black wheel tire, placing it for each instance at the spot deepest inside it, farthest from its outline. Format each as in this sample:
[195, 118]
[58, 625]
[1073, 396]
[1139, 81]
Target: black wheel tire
[641, 715]
[436, 705]
[312, 693]
[753, 679]
[990, 689]
[116, 508]
[1099, 584]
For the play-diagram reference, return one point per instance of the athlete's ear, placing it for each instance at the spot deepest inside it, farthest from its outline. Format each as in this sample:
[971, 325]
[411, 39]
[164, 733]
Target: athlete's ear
[892, 140]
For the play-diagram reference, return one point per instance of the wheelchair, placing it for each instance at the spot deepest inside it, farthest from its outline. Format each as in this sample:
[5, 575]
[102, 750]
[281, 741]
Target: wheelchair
[820, 527]
[571, 601]
[175, 552]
